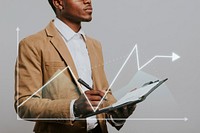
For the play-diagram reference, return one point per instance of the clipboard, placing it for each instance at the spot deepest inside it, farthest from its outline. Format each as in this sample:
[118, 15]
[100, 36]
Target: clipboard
[151, 87]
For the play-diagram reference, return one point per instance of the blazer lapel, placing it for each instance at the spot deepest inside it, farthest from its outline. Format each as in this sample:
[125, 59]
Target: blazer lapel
[59, 44]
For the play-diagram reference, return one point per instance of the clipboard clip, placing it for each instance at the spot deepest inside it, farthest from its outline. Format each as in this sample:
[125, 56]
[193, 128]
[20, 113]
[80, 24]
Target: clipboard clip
[150, 82]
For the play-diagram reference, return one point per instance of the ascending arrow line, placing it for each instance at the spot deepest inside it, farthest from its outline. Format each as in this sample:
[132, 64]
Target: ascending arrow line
[135, 48]
[17, 30]
[174, 57]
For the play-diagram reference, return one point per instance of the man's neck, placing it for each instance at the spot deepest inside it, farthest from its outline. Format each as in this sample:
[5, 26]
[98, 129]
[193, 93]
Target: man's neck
[75, 26]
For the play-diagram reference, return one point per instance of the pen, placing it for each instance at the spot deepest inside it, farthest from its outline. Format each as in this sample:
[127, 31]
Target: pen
[87, 86]
[84, 84]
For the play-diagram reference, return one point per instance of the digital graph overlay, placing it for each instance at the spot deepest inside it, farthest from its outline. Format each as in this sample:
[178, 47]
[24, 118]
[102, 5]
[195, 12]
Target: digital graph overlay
[173, 57]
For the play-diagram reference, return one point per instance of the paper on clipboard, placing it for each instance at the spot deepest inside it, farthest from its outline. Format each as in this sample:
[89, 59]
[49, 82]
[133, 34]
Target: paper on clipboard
[134, 96]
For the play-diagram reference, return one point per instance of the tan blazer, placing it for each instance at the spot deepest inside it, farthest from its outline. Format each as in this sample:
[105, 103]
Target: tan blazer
[41, 57]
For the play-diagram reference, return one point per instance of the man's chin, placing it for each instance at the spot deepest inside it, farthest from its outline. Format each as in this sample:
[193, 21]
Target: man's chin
[87, 19]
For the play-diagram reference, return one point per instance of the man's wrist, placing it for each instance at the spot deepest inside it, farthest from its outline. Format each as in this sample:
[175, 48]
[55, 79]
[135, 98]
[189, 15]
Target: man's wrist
[76, 110]
[117, 122]
[72, 116]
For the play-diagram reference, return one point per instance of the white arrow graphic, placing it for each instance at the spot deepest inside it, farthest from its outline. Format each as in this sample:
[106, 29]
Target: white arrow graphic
[17, 30]
[174, 57]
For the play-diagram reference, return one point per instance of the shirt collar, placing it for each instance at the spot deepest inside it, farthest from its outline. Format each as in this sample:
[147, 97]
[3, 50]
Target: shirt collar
[66, 31]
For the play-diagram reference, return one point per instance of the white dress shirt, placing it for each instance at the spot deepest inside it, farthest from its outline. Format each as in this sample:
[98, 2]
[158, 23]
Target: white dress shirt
[78, 50]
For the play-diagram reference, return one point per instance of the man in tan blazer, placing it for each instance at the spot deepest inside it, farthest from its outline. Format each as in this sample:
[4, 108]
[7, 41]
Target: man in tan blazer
[46, 77]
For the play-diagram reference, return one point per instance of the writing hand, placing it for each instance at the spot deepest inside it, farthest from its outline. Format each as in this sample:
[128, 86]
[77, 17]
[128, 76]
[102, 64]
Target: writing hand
[82, 106]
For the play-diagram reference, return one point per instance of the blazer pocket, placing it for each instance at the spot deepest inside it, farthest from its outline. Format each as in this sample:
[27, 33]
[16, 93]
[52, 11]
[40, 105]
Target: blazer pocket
[62, 86]
[55, 64]
[53, 67]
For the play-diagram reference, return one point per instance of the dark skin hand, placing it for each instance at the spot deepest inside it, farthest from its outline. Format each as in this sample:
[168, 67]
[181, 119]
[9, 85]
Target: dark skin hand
[121, 114]
[82, 106]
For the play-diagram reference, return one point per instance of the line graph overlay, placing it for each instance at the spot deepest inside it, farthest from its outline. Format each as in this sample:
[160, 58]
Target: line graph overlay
[174, 57]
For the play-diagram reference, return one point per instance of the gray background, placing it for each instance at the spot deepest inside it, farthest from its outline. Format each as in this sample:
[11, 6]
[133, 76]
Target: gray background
[159, 27]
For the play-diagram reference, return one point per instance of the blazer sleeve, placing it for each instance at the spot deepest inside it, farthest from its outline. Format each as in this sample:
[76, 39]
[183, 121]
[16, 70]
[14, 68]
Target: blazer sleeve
[29, 103]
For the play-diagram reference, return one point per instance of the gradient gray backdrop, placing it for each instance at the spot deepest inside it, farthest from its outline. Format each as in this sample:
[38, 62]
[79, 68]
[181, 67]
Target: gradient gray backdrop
[159, 27]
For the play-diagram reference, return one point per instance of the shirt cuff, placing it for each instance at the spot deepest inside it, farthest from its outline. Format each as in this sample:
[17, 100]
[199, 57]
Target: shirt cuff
[116, 123]
[72, 116]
